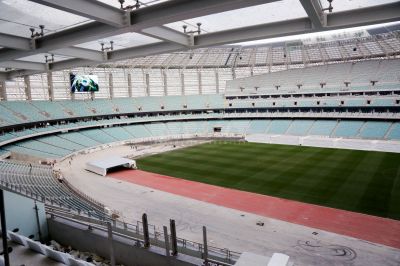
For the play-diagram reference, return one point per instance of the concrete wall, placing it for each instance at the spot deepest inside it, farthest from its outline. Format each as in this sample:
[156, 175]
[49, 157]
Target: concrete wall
[326, 142]
[21, 214]
[126, 250]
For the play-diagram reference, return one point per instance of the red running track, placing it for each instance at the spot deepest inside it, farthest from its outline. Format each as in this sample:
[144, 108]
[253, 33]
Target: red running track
[371, 228]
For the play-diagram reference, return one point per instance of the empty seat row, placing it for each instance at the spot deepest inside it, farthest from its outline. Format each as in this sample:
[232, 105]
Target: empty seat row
[63, 144]
[319, 77]
[17, 112]
[39, 180]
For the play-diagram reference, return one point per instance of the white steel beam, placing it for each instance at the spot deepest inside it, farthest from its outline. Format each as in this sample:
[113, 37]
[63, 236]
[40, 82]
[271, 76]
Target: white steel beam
[80, 53]
[154, 15]
[21, 43]
[364, 16]
[65, 64]
[15, 42]
[262, 31]
[314, 11]
[144, 50]
[371, 15]
[24, 65]
[167, 34]
[90, 9]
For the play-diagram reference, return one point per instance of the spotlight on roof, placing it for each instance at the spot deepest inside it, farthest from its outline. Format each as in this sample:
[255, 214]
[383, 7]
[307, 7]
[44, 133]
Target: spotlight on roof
[35, 34]
[107, 48]
[49, 60]
[121, 2]
[330, 8]
[136, 5]
[198, 31]
[198, 27]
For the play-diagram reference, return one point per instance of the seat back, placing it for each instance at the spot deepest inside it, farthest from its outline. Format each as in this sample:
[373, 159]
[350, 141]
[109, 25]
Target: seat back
[16, 238]
[36, 246]
[57, 255]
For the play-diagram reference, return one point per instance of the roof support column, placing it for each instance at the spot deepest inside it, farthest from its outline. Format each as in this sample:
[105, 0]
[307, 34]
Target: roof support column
[3, 91]
[200, 82]
[28, 90]
[216, 81]
[50, 86]
[111, 85]
[130, 85]
[72, 95]
[165, 81]
[182, 83]
[314, 11]
[147, 84]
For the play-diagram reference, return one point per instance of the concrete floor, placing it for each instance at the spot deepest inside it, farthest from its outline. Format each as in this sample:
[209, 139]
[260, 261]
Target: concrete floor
[23, 256]
[227, 228]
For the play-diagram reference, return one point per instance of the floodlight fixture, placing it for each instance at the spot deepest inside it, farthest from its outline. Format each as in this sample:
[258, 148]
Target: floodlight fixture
[32, 32]
[37, 34]
[136, 5]
[198, 31]
[121, 2]
[49, 60]
[198, 27]
[330, 8]
[41, 30]
[109, 48]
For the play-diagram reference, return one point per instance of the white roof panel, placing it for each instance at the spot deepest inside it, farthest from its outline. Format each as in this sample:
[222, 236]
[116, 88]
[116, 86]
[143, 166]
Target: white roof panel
[17, 16]
[266, 13]
[121, 41]
[40, 58]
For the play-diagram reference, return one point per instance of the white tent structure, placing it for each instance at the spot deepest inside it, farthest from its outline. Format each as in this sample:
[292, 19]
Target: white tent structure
[101, 166]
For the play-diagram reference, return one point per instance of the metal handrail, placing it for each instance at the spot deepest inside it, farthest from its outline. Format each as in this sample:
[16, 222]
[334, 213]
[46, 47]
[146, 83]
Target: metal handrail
[220, 255]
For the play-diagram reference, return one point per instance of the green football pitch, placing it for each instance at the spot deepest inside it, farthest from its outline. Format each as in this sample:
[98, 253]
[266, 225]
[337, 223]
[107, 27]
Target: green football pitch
[360, 181]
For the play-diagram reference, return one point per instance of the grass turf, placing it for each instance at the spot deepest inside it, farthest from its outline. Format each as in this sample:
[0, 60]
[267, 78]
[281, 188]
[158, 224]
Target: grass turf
[360, 181]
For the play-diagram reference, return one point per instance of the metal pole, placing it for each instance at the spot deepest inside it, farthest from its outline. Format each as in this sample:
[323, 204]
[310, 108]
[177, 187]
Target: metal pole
[4, 230]
[38, 221]
[166, 241]
[205, 245]
[174, 243]
[146, 236]
[110, 241]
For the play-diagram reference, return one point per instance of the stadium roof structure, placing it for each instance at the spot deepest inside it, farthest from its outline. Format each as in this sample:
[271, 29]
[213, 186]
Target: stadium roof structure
[276, 54]
[74, 30]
